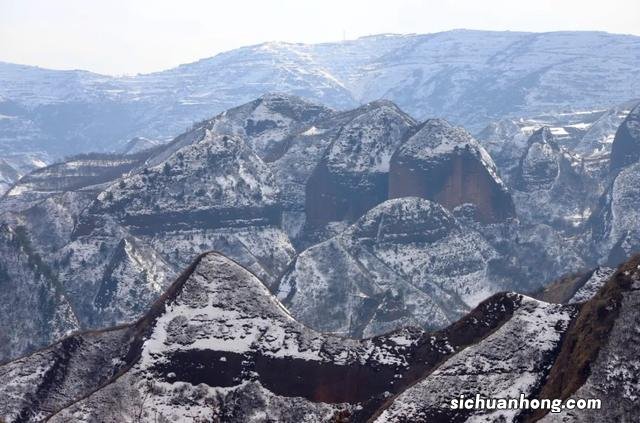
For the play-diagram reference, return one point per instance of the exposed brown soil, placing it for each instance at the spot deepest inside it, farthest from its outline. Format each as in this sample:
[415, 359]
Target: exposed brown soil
[561, 290]
[587, 334]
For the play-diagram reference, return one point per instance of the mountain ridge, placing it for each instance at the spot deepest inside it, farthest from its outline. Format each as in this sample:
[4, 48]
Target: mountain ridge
[75, 109]
[491, 327]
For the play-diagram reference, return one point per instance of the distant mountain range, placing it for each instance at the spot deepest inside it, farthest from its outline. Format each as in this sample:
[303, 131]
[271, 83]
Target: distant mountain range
[467, 77]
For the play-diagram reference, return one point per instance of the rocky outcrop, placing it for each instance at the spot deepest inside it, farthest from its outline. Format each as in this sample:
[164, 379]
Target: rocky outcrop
[218, 346]
[406, 261]
[539, 165]
[551, 186]
[612, 230]
[625, 149]
[598, 358]
[445, 164]
[352, 176]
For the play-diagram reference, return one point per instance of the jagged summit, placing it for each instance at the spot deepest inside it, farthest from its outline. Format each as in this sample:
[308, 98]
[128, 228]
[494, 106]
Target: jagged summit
[262, 123]
[540, 165]
[352, 175]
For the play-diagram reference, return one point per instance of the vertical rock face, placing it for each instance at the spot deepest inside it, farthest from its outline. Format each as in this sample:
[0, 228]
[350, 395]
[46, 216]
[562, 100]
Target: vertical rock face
[614, 225]
[445, 164]
[626, 144]
[550, 184]
[352, 177]
[539, 166]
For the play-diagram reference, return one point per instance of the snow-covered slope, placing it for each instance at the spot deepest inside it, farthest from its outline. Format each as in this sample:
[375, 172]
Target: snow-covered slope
[468, 77]
[34, 301]
[407, 261]
[218, 346]
[509, 362]
[608, 348]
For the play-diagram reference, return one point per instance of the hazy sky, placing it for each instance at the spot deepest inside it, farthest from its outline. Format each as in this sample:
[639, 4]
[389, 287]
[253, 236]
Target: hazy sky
[137, 36]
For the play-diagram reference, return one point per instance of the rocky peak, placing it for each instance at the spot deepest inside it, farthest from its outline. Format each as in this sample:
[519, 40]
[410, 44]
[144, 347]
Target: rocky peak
[539, 165]
[403, 220]
[218, 173]
[366, 143]
[626, 144]
[444, 163]
[266, 122]
[352, 176]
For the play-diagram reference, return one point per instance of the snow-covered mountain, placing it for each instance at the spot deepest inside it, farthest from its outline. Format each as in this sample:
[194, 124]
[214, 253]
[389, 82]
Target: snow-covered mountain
[446, 164]
[218, 346]
[467, 77]
[408, 261]
[296, 193]
[586, 133]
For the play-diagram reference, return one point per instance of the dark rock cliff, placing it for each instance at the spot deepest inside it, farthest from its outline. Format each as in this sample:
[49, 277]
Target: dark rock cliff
[445, 164]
